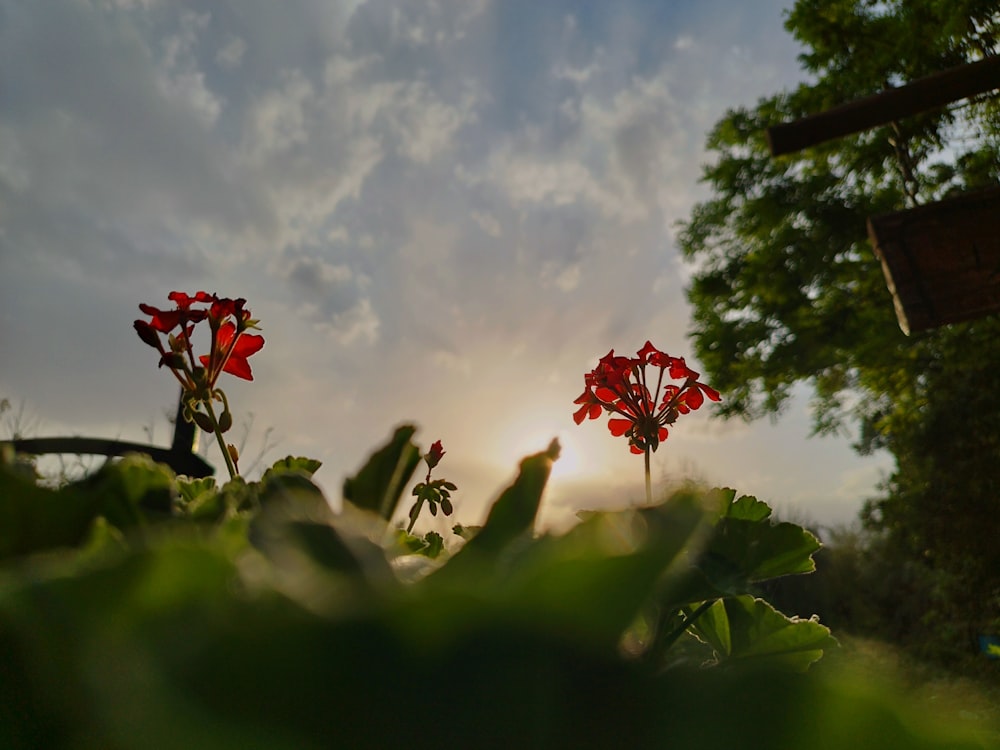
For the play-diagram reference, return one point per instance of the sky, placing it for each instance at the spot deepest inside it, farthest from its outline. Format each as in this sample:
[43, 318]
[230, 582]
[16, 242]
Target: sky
[443, 212]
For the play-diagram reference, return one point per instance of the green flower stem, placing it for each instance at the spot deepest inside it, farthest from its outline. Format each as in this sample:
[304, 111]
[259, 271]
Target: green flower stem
[420, 504]
[649, 486]
[233, 473]
[662, 643]
[415, 516]
[689, 619]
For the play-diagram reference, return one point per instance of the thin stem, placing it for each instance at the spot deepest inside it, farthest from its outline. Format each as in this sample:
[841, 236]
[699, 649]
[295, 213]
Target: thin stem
[664, 643]
[414, 515]
[233, 473]
[649, 486]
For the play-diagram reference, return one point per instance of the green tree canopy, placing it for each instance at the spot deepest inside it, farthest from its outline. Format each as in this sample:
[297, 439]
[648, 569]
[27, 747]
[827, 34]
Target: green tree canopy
[786, 288]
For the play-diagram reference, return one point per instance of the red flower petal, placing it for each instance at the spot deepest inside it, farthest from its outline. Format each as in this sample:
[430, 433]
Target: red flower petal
[607, 395]
[184, 301]
[693, 398]
[619, 427]
[680, 371]
[163, 321]
[712, 394]
[647, 352]
[237, 364]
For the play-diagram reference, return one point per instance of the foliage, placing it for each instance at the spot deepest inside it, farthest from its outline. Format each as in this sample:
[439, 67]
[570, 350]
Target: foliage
[141, 609]
[786, 289]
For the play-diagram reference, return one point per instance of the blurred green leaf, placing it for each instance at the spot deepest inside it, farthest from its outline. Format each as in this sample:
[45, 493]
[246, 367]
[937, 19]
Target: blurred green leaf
[127, 493]
[592, 582]
[34, 518]
[513, 513]
[379, 484]
[132, 489]
[294, 464]
[434, 545]
[191, 490]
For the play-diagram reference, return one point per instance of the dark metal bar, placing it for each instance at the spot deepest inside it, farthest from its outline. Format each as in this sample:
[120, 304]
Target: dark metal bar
[185, 436]
[188, 463]
[892, 104]
[180, 457]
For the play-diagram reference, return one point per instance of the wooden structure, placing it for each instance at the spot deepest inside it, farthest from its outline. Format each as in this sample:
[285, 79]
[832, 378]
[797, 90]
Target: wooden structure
[180, 456]
[922, 95]
[941, 261]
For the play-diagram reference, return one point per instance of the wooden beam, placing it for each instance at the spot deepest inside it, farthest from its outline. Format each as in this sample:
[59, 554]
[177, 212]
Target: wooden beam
[892, 104]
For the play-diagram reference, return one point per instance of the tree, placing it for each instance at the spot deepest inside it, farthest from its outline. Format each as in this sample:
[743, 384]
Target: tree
[787, 290]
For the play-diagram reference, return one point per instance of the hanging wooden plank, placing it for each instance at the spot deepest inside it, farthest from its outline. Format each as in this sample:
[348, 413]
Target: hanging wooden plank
[941, 261]
[919, 96]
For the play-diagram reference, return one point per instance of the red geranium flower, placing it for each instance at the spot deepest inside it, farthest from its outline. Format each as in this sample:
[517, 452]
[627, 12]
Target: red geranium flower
[230, 345]
[231, 350]
[618, 385]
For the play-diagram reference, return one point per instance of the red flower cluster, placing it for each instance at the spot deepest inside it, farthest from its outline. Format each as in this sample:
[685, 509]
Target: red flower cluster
[618, 385]
[231, 345]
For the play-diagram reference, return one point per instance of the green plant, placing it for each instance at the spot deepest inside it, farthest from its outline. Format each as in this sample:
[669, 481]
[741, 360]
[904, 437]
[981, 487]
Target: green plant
[138, 608]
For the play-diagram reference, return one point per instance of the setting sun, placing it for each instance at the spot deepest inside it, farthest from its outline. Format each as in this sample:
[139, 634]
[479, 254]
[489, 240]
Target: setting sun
[578, 459]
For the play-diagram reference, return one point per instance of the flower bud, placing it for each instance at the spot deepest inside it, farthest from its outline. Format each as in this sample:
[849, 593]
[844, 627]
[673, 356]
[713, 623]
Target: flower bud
[433, 457]
[173, 360]
[147, 333]
[225, 421]
[233, 452]
[203, 421]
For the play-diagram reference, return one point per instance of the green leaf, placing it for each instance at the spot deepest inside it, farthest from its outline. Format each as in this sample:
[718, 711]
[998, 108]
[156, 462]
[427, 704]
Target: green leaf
[746, 546]
[513, 513]
[745, 628]
[295, 491]
[759, 550]
[748, 508]
[34, 518]
[406, 543]
[587, 585]
[192, 489]
[325, 546]
[128, 493]
[434, 545]
[379, 484]
[131, 489]
[307, 466]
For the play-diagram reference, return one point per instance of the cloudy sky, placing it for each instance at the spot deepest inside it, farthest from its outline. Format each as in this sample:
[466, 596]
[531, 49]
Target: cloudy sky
[442, 211]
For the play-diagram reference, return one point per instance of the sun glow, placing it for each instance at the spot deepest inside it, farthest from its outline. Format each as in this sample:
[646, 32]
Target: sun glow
[534, 441]
[522, 439]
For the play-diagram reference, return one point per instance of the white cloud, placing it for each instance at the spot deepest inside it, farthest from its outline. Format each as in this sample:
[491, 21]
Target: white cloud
[358, 324]
[179, 77]
[487, 222]
[684, 42]
[277, 120]
[231, 54]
